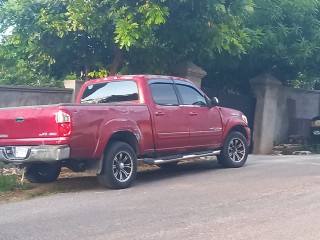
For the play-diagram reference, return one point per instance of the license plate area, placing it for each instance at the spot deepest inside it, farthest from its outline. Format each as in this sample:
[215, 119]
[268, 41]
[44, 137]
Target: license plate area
[21, 152]
[17, 152]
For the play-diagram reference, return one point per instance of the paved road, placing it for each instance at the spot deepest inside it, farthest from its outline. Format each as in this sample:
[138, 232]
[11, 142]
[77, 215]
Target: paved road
[272, 197]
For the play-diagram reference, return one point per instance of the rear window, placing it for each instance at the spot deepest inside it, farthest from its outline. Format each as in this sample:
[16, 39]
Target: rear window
[110, 92]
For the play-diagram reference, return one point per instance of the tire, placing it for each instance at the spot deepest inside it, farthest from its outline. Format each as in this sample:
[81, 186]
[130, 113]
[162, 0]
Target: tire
[234, 152]
[168, 165]
[119, 168]
[42, 172]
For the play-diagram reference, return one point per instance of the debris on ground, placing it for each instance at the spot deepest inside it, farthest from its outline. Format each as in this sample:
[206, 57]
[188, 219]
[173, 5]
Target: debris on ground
[287, 149]
[7, 171]
[302, 153]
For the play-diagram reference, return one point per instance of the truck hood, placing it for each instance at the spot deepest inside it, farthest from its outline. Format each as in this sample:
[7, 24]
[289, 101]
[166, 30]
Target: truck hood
[228, 113]
[28, 122]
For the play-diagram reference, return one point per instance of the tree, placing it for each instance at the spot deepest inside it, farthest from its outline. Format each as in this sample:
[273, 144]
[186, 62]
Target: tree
[289, 32]
[62, 36]
[130, 36]
[199, 31]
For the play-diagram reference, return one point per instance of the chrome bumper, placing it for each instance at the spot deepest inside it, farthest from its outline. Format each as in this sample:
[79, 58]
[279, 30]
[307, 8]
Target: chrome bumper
[43, 153]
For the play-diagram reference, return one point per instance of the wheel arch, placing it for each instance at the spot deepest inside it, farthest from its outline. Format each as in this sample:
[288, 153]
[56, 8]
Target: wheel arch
[124, 136]
[238, 128]
[120, 136]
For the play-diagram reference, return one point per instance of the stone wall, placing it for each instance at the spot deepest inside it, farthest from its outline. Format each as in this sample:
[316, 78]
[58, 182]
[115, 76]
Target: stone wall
[14, 96]
[296, 108]
[281, 112]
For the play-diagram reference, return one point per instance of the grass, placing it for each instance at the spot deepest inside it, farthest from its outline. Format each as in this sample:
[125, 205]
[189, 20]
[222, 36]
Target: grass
[11, 183]
[8, 183]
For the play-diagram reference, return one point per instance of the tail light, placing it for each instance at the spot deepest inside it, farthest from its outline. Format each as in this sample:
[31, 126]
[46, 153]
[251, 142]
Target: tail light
[64, 123]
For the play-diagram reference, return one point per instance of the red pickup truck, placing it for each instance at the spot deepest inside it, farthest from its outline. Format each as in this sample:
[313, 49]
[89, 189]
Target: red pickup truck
[115, 122]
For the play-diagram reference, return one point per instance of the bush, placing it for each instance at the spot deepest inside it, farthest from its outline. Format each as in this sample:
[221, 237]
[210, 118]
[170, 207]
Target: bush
[8, 183]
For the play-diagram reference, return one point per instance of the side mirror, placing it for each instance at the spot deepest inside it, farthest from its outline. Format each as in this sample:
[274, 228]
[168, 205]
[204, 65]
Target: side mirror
[214, 101]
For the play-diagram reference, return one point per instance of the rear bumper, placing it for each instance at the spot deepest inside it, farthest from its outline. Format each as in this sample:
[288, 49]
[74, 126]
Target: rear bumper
[43, 153]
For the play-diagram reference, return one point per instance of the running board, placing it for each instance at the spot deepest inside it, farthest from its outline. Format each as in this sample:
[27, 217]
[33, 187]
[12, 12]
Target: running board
[175, 158]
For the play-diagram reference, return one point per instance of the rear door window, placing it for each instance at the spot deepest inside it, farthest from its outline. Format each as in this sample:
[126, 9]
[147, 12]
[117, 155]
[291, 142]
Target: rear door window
[164, 94]
[110, 92]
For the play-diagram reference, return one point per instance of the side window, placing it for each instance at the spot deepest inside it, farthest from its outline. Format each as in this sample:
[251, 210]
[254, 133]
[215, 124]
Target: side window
[118, 91]
[164, 94]
[191, 96]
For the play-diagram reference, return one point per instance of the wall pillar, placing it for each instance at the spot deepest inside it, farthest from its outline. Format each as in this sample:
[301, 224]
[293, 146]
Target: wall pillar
[265, 88]
[75, 85]
[189, 71]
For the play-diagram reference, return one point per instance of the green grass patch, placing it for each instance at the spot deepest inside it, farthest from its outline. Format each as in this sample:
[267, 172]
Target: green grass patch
[8, 183]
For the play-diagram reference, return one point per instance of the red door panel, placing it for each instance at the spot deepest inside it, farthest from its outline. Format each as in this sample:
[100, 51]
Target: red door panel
[205, 126]
[171, 128]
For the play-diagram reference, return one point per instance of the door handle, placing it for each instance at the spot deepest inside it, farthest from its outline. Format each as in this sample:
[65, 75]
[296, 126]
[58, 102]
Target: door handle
[193, 113]
[159, 113]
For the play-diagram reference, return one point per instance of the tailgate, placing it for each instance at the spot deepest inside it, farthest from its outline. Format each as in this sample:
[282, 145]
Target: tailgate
[28, 122]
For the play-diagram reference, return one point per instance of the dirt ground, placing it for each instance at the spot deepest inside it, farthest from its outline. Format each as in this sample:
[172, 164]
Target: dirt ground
[68, 182]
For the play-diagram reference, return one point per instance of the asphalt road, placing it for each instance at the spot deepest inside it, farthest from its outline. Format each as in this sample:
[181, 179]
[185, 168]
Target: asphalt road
[272, 197]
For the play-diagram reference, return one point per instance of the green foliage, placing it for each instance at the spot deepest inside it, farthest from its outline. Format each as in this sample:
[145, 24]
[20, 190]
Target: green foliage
[20, 72]
[199, 31]
[233, 40]
[8, 183]
[99, 74]
[72, 76]
[287, 37]
[304, 81]
[61, 37]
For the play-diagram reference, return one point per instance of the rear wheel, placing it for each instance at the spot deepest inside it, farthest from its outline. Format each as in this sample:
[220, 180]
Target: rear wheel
[42, 172]
[234, 152]
[119, 166]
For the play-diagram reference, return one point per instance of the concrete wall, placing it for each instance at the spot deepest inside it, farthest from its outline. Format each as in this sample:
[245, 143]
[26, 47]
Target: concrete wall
[281, 112]
[295, 109]
[14, 96]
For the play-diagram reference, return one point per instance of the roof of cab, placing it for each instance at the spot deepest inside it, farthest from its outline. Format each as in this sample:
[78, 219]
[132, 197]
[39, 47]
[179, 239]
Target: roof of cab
[128, 77]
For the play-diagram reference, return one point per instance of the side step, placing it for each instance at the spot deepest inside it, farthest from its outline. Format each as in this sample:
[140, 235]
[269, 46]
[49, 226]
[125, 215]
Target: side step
[175, 158]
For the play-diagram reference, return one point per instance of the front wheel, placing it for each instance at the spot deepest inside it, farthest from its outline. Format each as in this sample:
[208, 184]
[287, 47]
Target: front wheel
[234, 152]
[42, 172]
[119, 166]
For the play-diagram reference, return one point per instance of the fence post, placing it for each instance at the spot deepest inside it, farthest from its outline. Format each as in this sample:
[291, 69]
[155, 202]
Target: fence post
[190, 71]
[75, 85]
[265, 88]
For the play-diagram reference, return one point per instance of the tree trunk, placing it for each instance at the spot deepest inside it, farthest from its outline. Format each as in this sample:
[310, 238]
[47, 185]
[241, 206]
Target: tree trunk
[116, 61]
